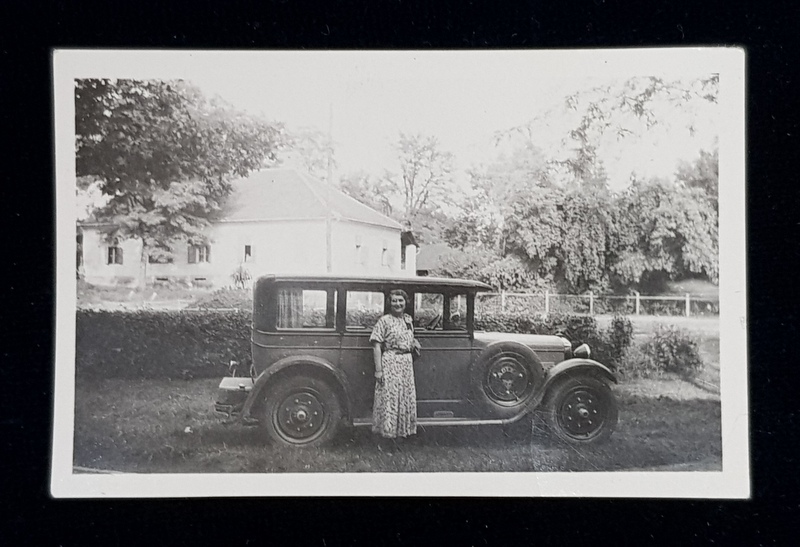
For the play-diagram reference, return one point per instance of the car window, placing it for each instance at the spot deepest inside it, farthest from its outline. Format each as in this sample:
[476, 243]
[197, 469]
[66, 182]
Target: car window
[457, 312]
[428, 310]
[299, 308]
[364, 308]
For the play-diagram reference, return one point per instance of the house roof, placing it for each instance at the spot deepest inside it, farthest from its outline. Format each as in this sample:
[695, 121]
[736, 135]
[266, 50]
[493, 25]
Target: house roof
[287, 194]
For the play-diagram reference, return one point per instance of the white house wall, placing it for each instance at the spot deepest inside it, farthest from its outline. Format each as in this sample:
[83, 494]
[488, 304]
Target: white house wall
[277, 247]
[358, 249]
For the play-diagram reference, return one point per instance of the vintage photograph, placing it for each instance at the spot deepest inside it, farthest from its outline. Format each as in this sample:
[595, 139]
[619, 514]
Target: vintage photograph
[436, 273]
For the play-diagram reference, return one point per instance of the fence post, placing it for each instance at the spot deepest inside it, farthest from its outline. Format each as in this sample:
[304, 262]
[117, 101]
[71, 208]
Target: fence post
[502, 300]
[637, 303]
[688, 305]
[546, 302]
[591, 303]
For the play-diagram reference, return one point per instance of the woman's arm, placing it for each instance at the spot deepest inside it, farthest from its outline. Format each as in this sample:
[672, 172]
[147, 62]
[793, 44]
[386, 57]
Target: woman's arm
[376, 357]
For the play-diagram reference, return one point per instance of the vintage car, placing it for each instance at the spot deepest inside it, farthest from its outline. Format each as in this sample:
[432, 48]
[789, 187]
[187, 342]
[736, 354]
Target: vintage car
[311, 370]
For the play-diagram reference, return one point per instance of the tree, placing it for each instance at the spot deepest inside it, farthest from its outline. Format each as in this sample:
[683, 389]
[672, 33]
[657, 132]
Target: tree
[703, 173]
[163, 156]
[665, 232]
[567, 236]
[600, 117]
[425, 173]
[374, 193]
[313, 150]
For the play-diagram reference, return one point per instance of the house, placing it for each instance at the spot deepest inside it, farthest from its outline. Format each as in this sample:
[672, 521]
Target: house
[275, 220]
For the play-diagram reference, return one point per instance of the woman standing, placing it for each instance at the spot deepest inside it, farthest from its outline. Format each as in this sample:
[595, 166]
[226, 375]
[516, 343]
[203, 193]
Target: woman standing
[394, 411]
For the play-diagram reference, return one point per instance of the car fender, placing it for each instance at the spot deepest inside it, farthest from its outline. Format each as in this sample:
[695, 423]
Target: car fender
[297, 361]
[578, 366]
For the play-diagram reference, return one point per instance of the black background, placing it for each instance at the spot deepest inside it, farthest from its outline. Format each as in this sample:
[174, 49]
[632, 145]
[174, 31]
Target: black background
[29, 30]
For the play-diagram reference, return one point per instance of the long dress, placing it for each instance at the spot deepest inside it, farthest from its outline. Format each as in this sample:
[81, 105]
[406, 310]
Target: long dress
[394, 412]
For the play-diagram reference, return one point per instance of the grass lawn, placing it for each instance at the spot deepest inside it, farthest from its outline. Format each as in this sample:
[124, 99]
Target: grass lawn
[158, 426]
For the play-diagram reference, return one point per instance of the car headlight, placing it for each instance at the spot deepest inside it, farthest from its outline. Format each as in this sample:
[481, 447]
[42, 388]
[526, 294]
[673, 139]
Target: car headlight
[582, 351]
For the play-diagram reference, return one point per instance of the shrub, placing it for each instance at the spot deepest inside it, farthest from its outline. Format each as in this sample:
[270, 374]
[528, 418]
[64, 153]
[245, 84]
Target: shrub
[227, 298]
[669, 350]
[200, 343]
[160, 344]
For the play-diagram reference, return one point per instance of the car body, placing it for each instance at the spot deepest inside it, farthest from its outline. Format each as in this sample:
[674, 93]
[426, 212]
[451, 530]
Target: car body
[312, 368]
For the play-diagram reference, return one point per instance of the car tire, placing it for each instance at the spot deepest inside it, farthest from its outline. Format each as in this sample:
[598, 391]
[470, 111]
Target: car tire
[580, 410]
[505, 378]
[301, 411]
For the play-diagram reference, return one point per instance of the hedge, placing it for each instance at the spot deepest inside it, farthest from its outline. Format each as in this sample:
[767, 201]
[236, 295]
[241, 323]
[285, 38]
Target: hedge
[171, 344]
[200, 343]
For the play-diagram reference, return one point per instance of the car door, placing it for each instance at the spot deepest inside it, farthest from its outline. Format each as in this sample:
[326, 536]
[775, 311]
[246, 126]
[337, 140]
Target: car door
[362, 309]
[441, 372]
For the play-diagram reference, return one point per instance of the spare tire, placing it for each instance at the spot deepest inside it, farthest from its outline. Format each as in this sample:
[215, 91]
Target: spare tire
[505, 378]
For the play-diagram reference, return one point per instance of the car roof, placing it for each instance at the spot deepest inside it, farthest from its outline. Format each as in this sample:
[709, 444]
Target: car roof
[416, 281]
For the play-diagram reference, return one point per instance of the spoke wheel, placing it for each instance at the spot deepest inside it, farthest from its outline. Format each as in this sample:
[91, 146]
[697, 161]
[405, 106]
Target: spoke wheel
[581, 410]
[301, 411]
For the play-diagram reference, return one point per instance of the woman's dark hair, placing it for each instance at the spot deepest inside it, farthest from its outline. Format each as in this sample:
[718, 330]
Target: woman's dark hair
[399, 292]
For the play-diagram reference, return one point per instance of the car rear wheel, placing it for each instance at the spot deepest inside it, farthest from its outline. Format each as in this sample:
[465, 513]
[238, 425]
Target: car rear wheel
[301, 411]
[580, 410]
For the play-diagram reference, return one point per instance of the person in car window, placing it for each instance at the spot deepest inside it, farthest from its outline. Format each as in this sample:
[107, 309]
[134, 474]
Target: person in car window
[394, 412]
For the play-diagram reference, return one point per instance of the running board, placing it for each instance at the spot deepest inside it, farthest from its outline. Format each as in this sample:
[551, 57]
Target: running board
[361, 422]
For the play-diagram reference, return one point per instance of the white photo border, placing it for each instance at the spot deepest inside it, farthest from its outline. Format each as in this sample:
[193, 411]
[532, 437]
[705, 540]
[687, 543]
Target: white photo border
[732, 482]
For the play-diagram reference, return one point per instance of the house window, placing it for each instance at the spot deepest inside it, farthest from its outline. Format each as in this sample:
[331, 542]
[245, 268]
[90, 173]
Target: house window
[159, 259]
[199, 253]
[248, 253]
[115, 253]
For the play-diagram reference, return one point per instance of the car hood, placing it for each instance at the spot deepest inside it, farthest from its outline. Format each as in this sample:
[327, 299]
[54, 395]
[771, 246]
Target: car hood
[537, 342]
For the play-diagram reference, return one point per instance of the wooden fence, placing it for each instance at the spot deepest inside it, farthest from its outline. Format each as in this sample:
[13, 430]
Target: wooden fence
[687, 305]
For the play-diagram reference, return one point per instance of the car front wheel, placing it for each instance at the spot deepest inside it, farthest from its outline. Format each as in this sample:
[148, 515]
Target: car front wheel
[301, 411]
[580, 410]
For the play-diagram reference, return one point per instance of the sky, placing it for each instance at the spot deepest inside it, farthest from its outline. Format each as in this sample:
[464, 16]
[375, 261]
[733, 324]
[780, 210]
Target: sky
[366, 99]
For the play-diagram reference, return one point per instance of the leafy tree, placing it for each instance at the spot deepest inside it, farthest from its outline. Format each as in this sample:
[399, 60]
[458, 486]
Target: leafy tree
[312, 150]
[703, 173]
[603, 115]
[164, 156]
[567, 236]
[665, 232]
[425, 173]
[481, 221]
[374, 193]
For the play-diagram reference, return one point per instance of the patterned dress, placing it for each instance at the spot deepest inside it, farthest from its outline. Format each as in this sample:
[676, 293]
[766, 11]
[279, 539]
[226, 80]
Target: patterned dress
[394, 412]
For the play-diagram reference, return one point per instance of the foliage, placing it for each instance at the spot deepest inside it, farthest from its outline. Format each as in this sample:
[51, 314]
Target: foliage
[425, 173]
[506, 274]
[160, 344]
[164, 156]
[703, 173]
[607, 346]
[313, 150]
[667, 231]
[669, 350]
[566, 236]
[374, 193]
[181, 344]
[227, 298]
[241, 277]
